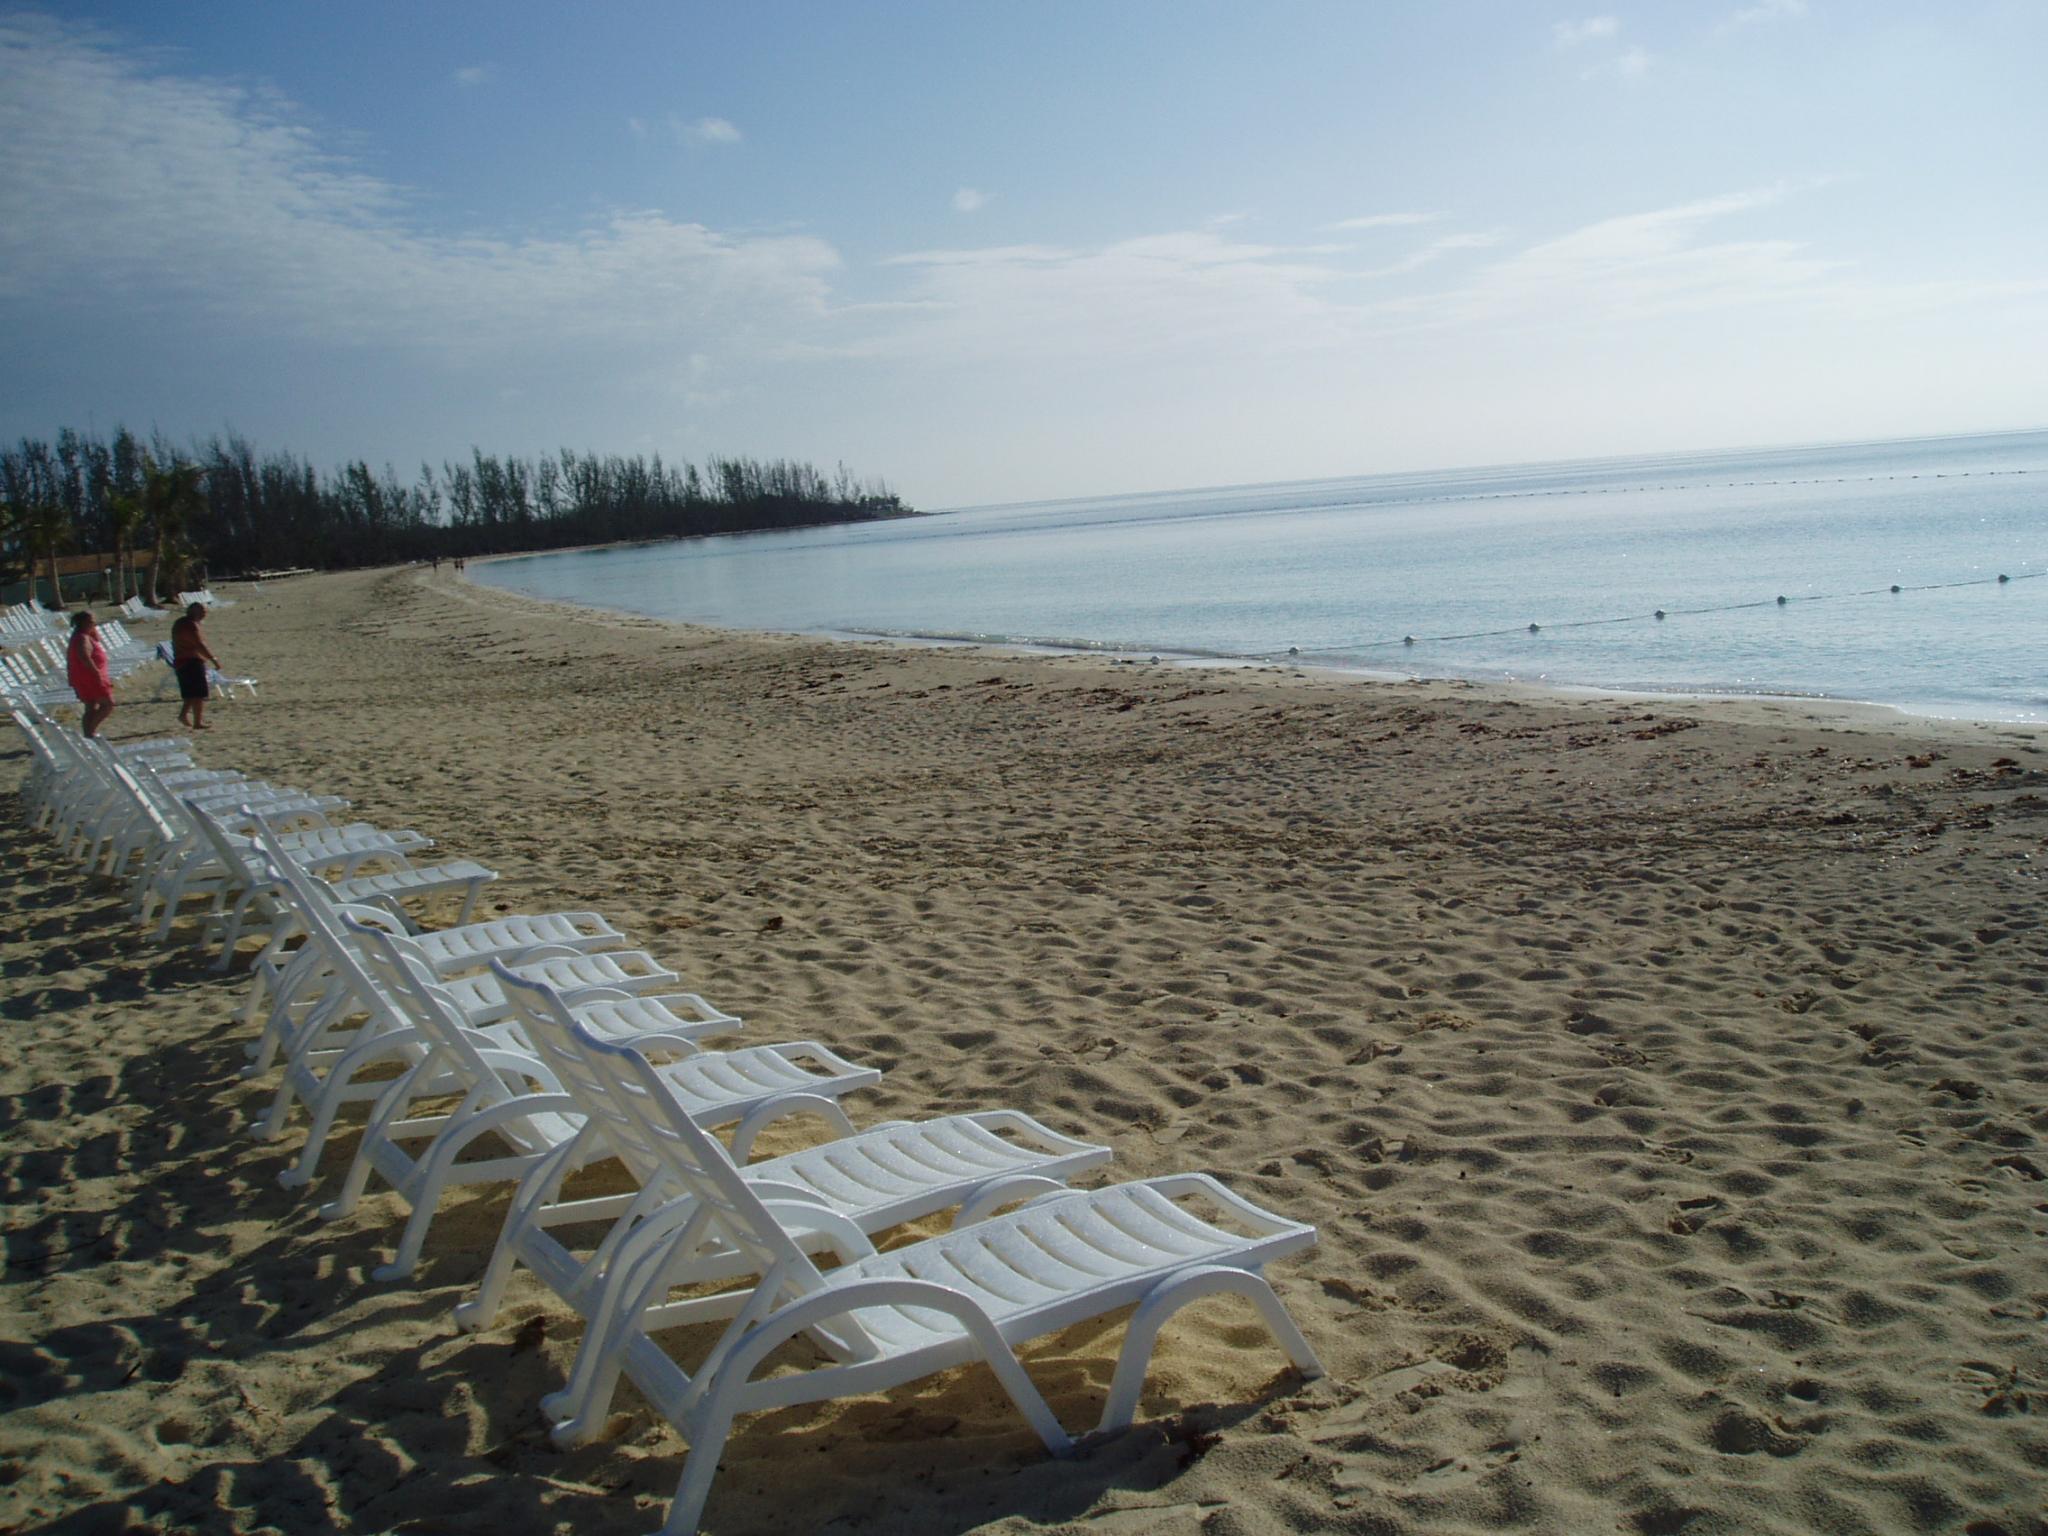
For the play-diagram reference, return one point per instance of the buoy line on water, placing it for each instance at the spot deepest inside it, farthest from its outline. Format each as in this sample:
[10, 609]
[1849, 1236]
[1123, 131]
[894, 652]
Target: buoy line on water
[1781, 601]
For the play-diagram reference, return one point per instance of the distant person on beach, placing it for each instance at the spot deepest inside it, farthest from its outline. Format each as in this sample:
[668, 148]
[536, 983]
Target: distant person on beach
[189, 659]
[85, 663]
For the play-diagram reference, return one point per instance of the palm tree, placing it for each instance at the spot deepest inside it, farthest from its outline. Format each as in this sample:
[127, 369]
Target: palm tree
[124, 515]
[43, 529]
[170, 497]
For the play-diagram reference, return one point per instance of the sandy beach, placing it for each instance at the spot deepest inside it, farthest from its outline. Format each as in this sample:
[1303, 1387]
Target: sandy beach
[1667, 1082]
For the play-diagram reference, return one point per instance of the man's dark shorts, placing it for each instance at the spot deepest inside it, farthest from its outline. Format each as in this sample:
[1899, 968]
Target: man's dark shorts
[192, 678]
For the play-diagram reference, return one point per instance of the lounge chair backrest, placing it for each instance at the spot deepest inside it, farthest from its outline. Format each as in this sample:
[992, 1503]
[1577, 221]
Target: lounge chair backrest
[53, 759]
[386, 973]
[236, 852]
[164, 832]
[243, 871]
[380, 979]
[383, 960]
[621, 1089]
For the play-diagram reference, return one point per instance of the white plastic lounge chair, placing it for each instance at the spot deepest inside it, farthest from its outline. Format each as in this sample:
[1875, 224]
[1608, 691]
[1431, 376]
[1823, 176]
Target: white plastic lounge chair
[175, 861]
[385, 888]
[144, 824]
[26, 683]
[881, 1320]
[220, 685]
[64, 790]
[283, 983]
[327, 1057]
[878, 1178]
[506, 1093]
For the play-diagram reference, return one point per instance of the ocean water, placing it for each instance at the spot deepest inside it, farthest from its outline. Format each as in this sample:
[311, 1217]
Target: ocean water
[1544, 574]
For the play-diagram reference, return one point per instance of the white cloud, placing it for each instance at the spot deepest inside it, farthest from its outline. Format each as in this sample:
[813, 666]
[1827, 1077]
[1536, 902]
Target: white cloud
[709, 130]
[1631, 63]
[1767, 10]
[968, 200]
[1570, 34]
[473, 74]
[1165, 295]
[1195, 295]
[1384, 221]
[1417, 259]
[177, 196]
[1644, 264]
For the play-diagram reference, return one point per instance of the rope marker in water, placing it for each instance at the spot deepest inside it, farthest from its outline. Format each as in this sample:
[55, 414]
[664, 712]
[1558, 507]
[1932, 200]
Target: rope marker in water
[1781, 601]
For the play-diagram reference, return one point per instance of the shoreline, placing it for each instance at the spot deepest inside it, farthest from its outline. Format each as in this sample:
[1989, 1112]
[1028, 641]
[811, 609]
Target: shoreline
[1665, 1083]
[1847, 713]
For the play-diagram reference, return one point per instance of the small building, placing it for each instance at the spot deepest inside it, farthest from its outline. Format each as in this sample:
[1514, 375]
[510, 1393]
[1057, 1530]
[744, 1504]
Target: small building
[86, 578]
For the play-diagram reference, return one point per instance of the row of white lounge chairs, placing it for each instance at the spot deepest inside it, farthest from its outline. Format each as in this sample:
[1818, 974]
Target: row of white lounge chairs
[32, 656]
[524, 1049]
[33, 617]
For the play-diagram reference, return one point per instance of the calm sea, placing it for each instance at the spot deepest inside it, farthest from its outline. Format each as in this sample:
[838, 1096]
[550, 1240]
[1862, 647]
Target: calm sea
[1869, 572]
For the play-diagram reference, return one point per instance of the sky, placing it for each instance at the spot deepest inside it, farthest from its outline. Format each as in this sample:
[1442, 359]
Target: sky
[994, 252]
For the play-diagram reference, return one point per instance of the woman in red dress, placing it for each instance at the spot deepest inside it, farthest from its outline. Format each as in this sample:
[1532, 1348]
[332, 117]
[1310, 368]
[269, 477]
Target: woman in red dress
[85, 662]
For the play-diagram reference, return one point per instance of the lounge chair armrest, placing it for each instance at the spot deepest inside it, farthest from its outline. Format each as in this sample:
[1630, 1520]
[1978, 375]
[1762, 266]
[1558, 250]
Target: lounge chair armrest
[782, 1107]
[1039, 1132]
[532, 1068]
[539, 952]
[527, 1104]
[1257, 1217]
[396, 1042]
[780, 1326]
[596, 992]
[801, 1207]
[375, 917]
[654, 1039]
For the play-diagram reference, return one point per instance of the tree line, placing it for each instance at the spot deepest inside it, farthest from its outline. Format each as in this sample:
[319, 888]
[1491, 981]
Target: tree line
[220, 508]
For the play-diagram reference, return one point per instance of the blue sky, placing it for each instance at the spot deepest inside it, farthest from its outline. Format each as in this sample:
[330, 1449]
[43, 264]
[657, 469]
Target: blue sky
[996, 252]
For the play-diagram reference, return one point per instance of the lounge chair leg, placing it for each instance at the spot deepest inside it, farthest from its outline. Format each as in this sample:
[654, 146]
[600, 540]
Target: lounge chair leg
[635, 1277]
[301, 1171]
[1167, 1298]
[699, 1467]
[272, 1123]
[388, 1108]
[1030, 1401]
[408, 1257]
